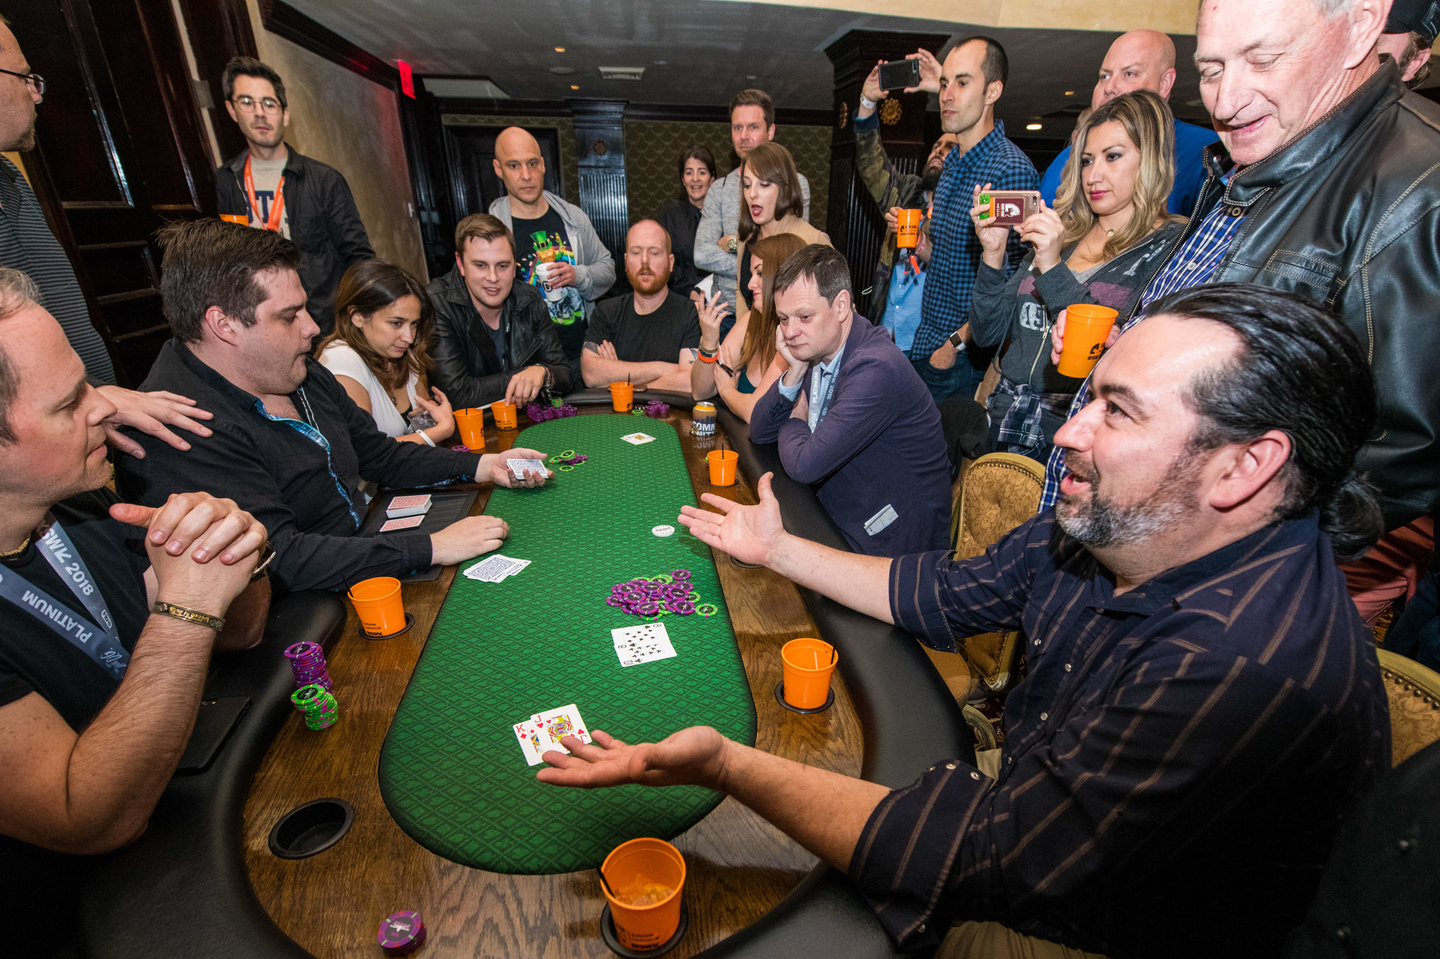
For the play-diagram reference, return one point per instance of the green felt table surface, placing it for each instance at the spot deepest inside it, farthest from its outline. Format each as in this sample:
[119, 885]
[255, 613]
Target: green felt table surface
[451, 771]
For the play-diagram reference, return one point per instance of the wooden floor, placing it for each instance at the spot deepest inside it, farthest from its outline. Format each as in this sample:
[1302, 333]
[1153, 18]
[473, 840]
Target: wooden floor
[332, 903]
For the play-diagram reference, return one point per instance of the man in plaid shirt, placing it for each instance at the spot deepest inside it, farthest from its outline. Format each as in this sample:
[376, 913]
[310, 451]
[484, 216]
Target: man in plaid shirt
[969, 84]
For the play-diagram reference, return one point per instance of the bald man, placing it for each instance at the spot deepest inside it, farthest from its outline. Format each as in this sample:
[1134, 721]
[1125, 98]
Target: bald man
[556, 247]
[1145, 60]
[648, 337]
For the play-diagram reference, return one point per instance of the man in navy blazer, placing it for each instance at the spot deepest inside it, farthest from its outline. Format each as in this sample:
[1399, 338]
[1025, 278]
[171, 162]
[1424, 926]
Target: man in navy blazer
[852, 416]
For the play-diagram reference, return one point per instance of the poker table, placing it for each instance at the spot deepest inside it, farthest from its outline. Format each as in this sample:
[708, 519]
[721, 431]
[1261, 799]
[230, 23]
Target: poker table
[420, 752]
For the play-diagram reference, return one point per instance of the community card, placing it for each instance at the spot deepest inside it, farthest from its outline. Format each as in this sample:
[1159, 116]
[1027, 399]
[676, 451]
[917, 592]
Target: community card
[638, 439]
[555, 724]
[406, 522]
[642, 644]
[417, 505]
[521, 467]
[528, 735]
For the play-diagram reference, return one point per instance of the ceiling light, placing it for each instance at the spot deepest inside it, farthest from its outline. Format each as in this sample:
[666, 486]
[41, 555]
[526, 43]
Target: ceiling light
[559, 49]
[1033, 126]
[749, 76]
[574, 86]
[1069, 93]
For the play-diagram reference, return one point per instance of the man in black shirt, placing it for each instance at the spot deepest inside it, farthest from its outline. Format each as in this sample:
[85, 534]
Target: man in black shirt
[287, 443]
[98, 687]
[647, 337]
[493, 340]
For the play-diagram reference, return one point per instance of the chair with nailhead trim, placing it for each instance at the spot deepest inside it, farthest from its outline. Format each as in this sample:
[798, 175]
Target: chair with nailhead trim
[1414, 693]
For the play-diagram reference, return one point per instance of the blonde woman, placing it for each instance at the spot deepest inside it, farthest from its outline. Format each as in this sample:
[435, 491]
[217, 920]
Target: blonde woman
[1098, 245]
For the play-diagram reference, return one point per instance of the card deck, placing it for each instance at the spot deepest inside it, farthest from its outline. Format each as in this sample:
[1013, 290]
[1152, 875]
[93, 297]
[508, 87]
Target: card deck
[542, 732]
[638, 439]
[642, 644]
[405, 522]
[521, 467]
[495, 567]
[417, 505]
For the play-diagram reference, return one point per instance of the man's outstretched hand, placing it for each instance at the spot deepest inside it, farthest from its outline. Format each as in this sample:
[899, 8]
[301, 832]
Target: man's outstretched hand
[748, 533]
[691, 757]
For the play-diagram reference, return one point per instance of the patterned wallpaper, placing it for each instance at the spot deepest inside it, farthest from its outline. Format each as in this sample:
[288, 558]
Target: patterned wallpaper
[652, 147]
[570, 169]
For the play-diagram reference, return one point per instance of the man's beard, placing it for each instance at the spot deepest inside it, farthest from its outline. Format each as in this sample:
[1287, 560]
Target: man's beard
[930, 177]
[1100, 523]
[648, 283]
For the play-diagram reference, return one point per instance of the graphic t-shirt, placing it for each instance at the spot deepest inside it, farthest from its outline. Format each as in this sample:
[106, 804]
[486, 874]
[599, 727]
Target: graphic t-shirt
[544, 240]
[266, 174]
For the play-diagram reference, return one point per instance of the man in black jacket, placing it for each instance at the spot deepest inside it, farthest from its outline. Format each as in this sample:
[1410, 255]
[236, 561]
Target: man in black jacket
[275, 188]
[1326, 186]
[494, 339]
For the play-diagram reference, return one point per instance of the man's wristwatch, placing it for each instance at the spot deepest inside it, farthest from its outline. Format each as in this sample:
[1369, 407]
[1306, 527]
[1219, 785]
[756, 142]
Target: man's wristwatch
[733, 245]
[956, 340]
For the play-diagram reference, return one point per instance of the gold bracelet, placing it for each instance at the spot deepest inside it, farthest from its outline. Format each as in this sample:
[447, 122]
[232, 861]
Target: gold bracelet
[193, 616]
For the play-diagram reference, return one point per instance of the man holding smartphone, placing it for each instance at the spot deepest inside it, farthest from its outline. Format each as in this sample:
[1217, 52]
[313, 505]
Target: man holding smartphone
[970, 82]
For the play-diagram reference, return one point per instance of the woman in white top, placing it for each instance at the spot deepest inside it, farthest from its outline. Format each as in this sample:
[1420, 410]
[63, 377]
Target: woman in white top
[380, 350]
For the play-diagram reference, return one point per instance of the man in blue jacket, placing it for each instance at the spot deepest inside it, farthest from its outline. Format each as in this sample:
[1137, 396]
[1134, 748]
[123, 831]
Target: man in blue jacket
[275, 188]
[852, 416]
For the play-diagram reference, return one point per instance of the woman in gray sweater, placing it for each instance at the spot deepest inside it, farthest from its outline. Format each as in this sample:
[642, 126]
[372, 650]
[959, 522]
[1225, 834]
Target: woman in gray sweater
[1106, 236]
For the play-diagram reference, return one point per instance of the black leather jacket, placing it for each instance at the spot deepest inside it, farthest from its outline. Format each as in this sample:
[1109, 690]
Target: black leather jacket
[1348, 214]
[467, 368]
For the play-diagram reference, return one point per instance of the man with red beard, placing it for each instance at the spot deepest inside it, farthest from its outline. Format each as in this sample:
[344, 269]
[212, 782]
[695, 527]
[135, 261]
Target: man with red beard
[649, 336]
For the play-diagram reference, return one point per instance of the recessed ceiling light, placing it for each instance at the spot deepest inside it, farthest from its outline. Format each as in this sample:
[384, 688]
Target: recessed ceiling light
[1033, 126]
[1069, 93]
[749, 76]
[559, 49]
[574, 86]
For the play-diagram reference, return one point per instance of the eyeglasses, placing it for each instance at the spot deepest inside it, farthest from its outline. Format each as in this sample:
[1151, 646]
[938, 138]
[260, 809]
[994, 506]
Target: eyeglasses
[249, 104]
[34, 80]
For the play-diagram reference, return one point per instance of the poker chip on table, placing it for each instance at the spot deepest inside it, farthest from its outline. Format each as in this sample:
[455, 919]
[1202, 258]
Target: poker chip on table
[539, 413]
[655, 596]
[656, 410]
[307, 661]
[317, 704]
[401, 933]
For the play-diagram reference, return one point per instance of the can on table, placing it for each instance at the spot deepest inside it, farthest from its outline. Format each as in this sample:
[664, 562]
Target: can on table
[702, 419]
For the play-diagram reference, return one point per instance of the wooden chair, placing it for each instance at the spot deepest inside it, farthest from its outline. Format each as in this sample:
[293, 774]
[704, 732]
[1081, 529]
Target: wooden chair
[1414, 693]
[998, 492]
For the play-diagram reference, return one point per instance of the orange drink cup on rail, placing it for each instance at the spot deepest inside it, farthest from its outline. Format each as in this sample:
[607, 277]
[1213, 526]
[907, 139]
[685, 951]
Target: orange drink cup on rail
[1086, 328]
[645, 879]
[808, 664]
[622, 396]
[722, 467]
[907, 228]
[471, 423]
[506, 417]
[377, 603]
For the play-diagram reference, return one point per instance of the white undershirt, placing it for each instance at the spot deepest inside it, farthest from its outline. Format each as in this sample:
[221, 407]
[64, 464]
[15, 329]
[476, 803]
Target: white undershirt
[341, 360]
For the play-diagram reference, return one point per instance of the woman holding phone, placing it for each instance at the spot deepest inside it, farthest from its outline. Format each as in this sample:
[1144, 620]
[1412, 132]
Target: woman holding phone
[1108, 230]
[746, 363]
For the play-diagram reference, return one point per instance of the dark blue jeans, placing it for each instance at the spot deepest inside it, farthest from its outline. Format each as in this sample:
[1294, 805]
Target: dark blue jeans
[962, 379]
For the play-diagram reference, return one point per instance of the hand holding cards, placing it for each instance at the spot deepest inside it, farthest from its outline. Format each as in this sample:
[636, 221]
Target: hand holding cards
[542, 732]
[521, 467]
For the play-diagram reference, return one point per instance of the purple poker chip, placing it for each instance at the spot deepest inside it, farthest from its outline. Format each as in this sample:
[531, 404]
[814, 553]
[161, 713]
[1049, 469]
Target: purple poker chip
[649, 608]
[682, 606]
[634, 596]
[614, 600]
[620, 588]
[680, 574]
[401, 933]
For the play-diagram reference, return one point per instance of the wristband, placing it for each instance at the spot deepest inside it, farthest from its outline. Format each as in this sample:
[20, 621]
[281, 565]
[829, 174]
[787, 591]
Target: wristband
[426, 437]
[712, 358]
[866, 103]
[704, 351]
[268, 554]
[192, 616]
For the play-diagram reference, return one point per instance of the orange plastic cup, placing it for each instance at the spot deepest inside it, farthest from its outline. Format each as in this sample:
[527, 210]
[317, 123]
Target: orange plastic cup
[907, 228]
[377, 601]
[506, 418]
[622, 396]
[722, 467]
[1086, 327]
[239, 218]
[644, 861]
[808, 664]
[472, 427]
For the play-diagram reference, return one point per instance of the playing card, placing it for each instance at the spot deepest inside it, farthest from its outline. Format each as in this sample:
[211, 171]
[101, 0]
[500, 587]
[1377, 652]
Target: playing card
[638, 439]
[542, 732]
[415, 505]
[521, 467]
[495, 567]
[642, 644]
[406, 522]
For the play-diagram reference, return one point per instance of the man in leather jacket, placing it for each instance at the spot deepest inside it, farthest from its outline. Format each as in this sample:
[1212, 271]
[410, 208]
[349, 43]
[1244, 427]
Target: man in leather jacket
[1326, 186]
[494, 339]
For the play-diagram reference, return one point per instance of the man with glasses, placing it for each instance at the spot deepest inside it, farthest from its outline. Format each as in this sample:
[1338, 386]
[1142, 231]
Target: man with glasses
[275, 188]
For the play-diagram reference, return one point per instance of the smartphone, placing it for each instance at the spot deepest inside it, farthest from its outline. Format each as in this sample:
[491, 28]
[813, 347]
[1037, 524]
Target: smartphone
[1010, 206]
[899, 74]
[214, 722]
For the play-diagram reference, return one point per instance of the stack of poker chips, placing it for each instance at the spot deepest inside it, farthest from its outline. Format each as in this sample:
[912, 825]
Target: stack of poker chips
[401, 933]
[307, 660]
[658, 596]
[656, 410]
[317, 704]
[539, 413]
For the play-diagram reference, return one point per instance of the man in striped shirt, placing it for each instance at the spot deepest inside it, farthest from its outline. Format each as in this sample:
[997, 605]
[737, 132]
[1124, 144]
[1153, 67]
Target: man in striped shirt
[1203, 704]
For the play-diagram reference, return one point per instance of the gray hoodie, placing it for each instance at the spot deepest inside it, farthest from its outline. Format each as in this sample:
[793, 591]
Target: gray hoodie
[594, 269]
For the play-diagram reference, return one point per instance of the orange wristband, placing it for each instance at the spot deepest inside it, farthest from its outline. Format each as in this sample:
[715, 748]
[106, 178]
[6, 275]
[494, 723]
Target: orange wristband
[710, 359]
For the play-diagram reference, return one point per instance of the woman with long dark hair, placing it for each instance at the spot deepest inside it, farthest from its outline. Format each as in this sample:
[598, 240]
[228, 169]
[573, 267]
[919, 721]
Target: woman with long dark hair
[381, 348]
[681, 218]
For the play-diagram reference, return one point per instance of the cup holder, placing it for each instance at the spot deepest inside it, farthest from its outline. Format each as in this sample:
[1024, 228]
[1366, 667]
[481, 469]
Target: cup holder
[311, 828]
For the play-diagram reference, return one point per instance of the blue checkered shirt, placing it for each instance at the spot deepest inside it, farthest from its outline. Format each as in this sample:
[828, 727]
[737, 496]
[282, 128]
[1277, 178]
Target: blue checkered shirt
[950, 277]
[1193, 264]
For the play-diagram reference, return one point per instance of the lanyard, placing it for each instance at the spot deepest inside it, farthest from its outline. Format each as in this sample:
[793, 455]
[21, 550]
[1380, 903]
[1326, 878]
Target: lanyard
[102, 645]
[818, 400]
[277, 206]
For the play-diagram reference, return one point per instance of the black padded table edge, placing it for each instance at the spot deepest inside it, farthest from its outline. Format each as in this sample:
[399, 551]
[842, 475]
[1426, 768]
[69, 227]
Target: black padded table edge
[183, 889]
[909, 719]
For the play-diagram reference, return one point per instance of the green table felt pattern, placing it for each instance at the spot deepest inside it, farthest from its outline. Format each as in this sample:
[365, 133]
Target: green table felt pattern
[451, 771]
